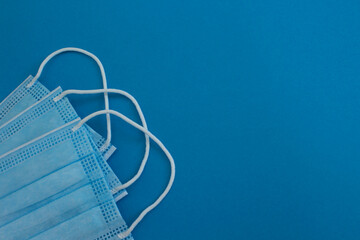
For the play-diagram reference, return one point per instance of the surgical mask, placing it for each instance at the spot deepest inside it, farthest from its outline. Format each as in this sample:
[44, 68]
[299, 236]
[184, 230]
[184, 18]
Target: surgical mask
[100, 222]
[50, 113]
[105, 91]
[126, 233]
[103, 222]
[144, 129]
[20, 99]
[93, 223]
[57, 189]
[31, 91]
[40, 118]
[25, 165]
[43, 116]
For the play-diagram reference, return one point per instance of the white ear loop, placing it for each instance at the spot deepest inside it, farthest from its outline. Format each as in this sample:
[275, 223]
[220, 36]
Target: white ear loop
[103, 75]
[157, 141]
[143, 122]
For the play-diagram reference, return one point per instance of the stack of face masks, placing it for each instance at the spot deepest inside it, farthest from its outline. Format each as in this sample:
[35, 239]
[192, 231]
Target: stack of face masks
[55, 182]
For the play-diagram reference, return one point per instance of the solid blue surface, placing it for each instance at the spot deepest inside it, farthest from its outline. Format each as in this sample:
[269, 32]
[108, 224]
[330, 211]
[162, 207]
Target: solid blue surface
[258, 101]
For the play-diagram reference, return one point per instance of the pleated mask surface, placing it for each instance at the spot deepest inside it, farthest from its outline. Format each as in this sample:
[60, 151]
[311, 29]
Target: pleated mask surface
[44, 116]
[103, 222]
[24, 97]
[55, 182]
[35, 173]
[85, 221]
[81, 204]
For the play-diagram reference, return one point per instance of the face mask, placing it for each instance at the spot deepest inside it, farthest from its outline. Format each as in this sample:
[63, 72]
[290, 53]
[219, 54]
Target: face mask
[21, 98]
[31, 91]
[100, 222]
[103, 222]
[40, 118]
[49, 113]
[74, 190]
[66, 227]
[105, 91]
[35, 162]
[45, 115]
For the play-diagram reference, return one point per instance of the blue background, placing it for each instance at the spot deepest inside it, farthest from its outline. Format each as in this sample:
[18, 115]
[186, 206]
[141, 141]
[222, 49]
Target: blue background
[258, 101]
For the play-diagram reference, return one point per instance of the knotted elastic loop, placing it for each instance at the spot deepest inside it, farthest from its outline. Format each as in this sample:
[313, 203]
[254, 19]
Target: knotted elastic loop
[159, 143]
[143, 122]
[103, 75]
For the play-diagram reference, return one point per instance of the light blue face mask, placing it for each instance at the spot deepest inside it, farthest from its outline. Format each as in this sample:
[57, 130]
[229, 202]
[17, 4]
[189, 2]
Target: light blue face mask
[45, 115]
[58, 183]
[20, 99]
[121, 235]
[23, 97]
[102, 221]
[42, 117]
[49, 113]
[30, 163]
[23, 166]
[31, 91]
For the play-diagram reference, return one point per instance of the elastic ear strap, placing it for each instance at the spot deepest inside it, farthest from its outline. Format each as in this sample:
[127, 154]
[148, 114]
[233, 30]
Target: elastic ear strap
[159, 143]
[143, 122]
[103, 75]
